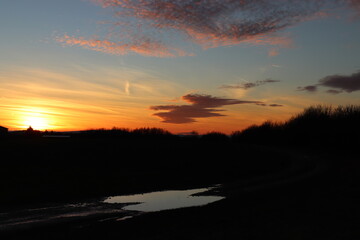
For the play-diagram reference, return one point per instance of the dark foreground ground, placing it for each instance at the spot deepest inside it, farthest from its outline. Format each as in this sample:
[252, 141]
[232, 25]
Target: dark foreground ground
[271, 192]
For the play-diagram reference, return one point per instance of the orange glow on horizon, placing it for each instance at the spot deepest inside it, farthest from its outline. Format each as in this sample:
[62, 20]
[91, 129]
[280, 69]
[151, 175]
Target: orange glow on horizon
[48, 100]
[37, 118]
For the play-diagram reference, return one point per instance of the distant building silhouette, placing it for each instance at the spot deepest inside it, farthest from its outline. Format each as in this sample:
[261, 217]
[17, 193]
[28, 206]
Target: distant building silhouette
[3, 130]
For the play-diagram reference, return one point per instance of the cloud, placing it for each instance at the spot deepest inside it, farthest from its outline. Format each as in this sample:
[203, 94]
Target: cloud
[310, 88]
[354, 4]
[127, 88]
[275, 105]
[218, 23]
[144, 46]
[269, 105]
[347, 83]
[201, 106]
[273, 52]
[339, 83]
[249, 84]
[150, 27]
[333, 91]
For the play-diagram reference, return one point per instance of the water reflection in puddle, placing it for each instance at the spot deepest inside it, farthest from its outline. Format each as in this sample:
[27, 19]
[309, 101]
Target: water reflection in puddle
[117, 208]
[158, 201]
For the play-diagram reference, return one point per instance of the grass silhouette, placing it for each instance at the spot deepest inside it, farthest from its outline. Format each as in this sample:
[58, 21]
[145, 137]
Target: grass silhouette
[319, 125]
[316, 125]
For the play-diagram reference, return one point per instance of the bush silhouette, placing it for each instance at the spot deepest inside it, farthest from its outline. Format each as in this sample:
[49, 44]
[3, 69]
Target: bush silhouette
[30, 132]
[321, 125]
[215, 137]
[151, 132]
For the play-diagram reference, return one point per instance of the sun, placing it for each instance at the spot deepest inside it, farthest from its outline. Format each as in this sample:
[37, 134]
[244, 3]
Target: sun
[38, 123]
[37, 119]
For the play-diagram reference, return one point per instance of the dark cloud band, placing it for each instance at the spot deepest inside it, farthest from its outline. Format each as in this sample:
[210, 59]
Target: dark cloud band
[249, 84]
[347, 83]
[338, 83]
[310, 88]
[201, 106]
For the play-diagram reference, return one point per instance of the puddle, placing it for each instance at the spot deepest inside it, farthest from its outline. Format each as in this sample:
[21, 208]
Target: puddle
[164, 200]
[27, 218]
[118, 208]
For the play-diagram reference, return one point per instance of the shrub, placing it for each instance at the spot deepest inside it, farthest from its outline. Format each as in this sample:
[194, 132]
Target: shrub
[321, 124]
[215, 137]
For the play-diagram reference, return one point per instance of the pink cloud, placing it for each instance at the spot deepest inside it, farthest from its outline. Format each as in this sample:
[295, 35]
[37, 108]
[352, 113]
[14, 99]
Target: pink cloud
[144, 47]
[207, 24]
[216, 23]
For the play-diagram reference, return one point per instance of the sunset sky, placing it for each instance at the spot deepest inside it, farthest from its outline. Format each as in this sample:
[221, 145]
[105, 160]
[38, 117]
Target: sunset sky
[181, 65]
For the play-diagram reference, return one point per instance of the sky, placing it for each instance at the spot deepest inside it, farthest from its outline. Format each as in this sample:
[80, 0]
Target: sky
[180, 65]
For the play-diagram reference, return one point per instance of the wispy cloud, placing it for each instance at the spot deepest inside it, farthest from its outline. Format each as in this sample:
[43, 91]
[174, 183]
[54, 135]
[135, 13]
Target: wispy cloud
[338, 83]
[333, 91]
[273, 52]
[275, 105]
[142, 46]
[148, 27]
[248, 85]
[201, 106]
[102, 98]
[309, 88]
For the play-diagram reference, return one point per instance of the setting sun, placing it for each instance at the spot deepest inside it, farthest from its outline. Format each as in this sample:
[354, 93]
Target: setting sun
[36, 122]
[37, 119]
